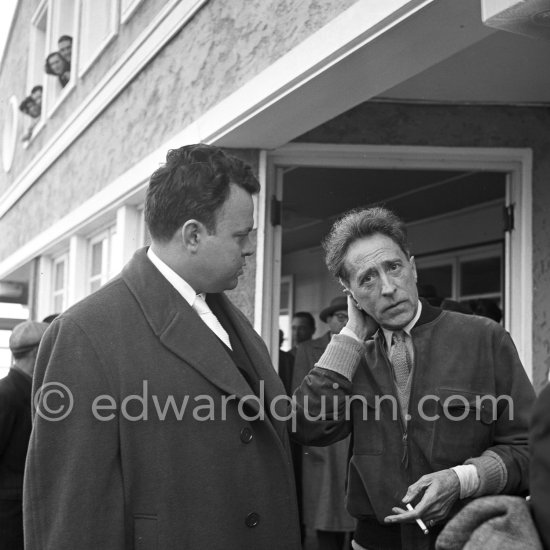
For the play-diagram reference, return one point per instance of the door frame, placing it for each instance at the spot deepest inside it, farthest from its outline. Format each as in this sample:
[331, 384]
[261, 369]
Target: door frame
[515, 162]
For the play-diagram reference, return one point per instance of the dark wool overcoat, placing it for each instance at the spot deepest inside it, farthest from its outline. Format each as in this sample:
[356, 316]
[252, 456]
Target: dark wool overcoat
[165, 446]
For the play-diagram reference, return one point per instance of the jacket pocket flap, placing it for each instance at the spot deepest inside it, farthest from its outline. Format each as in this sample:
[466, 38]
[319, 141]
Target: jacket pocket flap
[458, 402]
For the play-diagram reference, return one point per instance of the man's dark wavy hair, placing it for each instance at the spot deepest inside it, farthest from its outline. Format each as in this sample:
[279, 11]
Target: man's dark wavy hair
[194, 183]
[355, 225]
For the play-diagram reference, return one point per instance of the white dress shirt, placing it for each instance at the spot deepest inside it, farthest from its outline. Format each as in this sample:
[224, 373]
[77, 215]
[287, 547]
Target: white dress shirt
[191, 297]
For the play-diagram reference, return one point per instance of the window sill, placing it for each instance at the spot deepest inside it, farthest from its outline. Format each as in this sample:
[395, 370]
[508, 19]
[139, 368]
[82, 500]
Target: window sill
[35, 131]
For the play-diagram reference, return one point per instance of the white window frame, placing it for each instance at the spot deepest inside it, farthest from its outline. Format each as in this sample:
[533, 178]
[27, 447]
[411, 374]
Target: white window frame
[458, 257]
[63, 292]
[49, 8]
[113, 32]
[102, 237]
[127, 9]
[9, 133]
[41, 11]
[53, 6]
[286, 312]
[106, 236]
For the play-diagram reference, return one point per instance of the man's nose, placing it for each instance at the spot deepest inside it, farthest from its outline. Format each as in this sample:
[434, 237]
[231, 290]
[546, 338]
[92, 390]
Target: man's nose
[248, 248]
[388, 287]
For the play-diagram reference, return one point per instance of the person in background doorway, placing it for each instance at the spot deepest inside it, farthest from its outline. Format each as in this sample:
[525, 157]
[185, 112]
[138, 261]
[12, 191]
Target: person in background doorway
[286, 365]
[15, 429]
[303, 329]
[324, 469]
[65, 45]
[485, 307]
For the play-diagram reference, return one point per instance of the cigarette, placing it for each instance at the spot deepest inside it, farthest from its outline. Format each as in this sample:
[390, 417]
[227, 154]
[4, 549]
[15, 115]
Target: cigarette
[420, 523]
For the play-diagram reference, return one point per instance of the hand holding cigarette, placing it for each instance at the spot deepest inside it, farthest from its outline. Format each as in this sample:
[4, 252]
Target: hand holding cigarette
[420, 523]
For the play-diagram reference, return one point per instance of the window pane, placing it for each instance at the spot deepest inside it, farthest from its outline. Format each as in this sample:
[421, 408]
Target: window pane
[96, 27]
[94, 285]
[439, 277]
[97, 259]
[58, 303]
[480, 276]
[59, 276]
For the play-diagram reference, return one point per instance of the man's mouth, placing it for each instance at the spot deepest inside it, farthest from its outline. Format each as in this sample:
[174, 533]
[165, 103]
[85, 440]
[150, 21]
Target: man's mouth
[393, 306]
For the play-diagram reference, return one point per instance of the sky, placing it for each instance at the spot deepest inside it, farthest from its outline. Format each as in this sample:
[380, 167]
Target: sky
[7, 9]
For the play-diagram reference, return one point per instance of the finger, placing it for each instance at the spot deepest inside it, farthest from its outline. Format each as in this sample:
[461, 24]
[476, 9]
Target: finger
[429, 496]
[415, 490]
[405, 517]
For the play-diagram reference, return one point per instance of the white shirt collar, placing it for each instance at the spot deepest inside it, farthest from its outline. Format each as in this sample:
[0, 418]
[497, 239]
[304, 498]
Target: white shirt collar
[182, 286]
[388, 334]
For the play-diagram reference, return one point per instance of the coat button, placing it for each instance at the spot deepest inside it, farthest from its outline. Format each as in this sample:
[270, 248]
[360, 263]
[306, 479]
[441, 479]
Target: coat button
[246, 435]
[252, 519]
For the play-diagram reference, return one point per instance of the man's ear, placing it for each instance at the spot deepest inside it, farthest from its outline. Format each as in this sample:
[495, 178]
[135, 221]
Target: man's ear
[345, 288]
[192, 233]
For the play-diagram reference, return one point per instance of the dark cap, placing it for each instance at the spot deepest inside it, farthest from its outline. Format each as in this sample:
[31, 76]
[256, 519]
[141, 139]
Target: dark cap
[26, 336]
[339, 303]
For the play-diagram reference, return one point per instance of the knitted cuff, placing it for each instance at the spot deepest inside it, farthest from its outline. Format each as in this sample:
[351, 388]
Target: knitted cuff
[342, 355]
[491, 471]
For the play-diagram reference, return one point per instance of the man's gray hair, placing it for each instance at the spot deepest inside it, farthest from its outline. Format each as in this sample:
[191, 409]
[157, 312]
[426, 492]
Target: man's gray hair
[355, 225]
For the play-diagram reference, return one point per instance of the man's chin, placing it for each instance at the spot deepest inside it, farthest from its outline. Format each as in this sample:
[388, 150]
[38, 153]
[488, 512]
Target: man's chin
[232, 284]
[398, 321]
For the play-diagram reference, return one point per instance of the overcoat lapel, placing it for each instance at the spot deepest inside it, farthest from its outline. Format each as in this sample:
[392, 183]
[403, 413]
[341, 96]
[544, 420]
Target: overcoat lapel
[257, 353]
[180, 330]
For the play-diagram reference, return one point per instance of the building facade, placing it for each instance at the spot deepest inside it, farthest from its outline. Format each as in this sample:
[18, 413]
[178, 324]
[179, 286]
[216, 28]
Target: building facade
[415, 104]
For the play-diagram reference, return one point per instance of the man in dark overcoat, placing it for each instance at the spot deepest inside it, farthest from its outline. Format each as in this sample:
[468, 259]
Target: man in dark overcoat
[165, 433]
[15, 429]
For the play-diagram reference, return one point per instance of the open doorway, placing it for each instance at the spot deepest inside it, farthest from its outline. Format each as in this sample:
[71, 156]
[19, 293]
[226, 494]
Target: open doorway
[454, 218]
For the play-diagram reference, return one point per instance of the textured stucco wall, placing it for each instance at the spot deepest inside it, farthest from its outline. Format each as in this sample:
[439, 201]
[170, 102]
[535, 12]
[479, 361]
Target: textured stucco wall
[469, 126]
[243, 295]
[13, 76]
[13, 81]
[221, 48]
